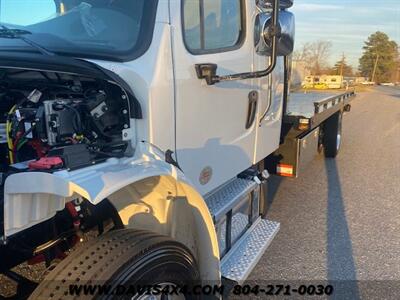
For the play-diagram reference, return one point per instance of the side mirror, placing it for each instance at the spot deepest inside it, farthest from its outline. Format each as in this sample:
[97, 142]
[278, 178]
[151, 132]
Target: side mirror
[208, 71]
[264, 31]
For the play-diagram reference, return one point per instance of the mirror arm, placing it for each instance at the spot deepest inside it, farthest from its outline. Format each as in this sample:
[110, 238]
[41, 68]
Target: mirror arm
[208, 71]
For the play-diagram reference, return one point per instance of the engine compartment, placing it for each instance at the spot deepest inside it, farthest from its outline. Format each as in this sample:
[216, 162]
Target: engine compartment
[51, 121]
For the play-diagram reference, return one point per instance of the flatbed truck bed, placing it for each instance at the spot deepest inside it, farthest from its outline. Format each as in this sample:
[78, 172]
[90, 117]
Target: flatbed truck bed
[304, 127]
[315, 107]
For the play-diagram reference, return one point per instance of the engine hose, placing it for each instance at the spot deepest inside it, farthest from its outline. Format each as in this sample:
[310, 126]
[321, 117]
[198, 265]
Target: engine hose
[9, 140]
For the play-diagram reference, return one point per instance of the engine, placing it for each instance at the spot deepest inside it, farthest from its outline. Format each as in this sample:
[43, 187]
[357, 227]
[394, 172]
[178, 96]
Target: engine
[52, 121]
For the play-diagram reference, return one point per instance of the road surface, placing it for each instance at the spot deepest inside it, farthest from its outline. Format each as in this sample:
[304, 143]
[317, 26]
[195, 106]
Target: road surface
[340, 221]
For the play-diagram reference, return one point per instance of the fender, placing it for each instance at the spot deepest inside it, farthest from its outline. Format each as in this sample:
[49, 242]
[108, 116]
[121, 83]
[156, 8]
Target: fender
[147, 192]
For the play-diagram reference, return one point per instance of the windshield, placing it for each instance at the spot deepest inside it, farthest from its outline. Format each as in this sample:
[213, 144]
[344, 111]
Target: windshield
[119, 29]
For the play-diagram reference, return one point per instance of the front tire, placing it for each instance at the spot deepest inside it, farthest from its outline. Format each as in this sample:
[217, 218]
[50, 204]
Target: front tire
[122, 258]
[332, 138]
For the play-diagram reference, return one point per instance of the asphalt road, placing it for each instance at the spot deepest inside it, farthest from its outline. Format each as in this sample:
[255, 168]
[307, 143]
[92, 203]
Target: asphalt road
[340, 220]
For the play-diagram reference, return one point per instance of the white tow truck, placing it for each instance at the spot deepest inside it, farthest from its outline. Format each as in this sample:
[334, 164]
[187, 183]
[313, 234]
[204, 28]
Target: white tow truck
[155, 124]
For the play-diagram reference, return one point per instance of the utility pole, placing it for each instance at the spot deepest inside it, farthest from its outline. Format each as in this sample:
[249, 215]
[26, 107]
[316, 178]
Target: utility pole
[342, 65]
[398, 74]
[375, 67]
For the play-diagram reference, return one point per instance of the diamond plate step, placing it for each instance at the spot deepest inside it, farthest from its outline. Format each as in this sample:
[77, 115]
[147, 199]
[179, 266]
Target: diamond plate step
[239, 222]
[222, 200]
[246, 253]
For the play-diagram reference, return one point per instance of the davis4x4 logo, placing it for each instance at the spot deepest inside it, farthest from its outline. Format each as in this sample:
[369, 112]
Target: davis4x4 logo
[140, 290]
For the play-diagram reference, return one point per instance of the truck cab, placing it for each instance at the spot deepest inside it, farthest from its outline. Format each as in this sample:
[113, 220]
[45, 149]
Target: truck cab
[154, 123]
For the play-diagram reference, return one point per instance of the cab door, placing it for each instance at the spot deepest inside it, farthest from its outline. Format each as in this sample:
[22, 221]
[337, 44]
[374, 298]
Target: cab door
[270, 112]
[213, 143]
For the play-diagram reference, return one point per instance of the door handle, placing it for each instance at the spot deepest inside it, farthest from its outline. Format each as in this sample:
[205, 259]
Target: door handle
[251, 115]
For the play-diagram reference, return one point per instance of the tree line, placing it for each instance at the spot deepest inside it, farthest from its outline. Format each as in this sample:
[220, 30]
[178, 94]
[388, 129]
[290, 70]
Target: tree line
[380, 61]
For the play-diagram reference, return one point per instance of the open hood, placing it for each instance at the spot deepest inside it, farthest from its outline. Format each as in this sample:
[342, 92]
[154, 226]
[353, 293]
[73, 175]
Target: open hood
[63, 64]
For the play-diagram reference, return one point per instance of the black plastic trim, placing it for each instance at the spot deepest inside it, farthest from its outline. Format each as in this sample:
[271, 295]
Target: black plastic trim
[252, 112]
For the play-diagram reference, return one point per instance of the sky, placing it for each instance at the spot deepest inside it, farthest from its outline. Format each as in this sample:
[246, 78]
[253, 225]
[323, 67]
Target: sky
[345, 23]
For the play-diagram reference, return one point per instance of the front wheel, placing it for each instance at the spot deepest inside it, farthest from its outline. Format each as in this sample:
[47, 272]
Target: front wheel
[332, 135]
[122, 261]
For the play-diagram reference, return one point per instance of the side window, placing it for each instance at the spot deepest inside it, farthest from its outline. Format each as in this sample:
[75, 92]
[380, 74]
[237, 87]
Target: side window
[212, 25]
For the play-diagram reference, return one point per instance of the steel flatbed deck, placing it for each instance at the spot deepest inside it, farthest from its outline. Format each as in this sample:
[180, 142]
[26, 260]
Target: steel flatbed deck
[315, 107]
[303, 129]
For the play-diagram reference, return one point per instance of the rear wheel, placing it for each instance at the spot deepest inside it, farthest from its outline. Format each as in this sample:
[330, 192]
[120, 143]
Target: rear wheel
[332, 138]
[122, 260]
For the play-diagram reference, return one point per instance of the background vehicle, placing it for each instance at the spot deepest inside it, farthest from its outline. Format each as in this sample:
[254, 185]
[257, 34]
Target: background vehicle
[324, 82]
[368, 83]
[161, 139]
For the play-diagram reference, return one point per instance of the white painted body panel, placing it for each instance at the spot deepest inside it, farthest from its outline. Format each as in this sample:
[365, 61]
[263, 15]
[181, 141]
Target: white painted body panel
[31, 198]
[210, 120]
[151, 79]
[204, 125]
[270, 111]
